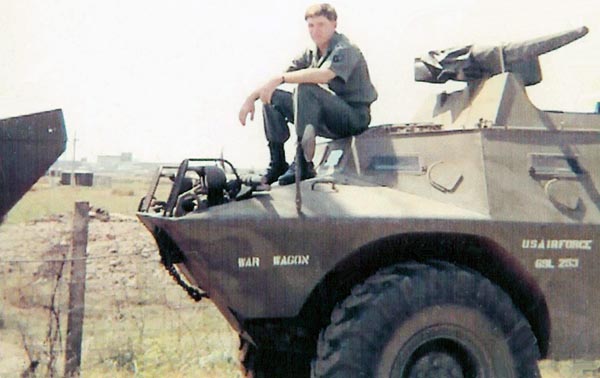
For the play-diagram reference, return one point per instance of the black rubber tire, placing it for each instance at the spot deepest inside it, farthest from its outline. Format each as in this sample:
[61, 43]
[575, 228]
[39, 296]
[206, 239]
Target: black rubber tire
[248, 361]
[268, 363]
[427, 320]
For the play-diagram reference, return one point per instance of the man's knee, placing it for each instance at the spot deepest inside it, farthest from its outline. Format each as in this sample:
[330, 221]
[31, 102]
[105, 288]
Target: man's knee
[282, 100]
[307, 91]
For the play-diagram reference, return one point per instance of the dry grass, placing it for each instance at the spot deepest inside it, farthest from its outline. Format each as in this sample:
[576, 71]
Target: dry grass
[48, 198]
[138, 322]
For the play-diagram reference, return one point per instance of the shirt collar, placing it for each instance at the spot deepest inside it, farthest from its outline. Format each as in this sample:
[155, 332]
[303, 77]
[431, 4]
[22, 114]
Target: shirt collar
[332, 42]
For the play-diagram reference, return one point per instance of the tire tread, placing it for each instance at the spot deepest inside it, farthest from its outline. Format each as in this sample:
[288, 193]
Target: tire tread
[415, 286]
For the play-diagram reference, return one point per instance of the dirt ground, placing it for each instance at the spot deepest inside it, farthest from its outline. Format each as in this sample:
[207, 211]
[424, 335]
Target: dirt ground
[138, 322]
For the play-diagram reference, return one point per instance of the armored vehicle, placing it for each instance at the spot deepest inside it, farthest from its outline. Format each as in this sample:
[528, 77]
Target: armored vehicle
[29, 145]
[462, 245]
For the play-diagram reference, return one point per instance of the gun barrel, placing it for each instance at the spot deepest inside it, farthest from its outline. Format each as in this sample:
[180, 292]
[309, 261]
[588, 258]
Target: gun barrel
[535, 47]
[474, 62]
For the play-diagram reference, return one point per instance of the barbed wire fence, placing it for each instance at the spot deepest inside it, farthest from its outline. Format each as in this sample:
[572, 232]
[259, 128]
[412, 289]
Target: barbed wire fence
[137, 322]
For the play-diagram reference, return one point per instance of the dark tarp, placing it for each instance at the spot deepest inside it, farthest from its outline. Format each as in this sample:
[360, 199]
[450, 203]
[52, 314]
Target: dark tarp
[473, 62]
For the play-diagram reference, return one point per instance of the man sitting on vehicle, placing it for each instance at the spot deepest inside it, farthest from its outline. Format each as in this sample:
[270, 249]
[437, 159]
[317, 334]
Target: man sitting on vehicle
[341, 110]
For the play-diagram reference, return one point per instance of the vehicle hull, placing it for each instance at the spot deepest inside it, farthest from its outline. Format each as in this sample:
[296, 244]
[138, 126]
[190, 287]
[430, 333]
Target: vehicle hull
[269, 268]
[29, 145]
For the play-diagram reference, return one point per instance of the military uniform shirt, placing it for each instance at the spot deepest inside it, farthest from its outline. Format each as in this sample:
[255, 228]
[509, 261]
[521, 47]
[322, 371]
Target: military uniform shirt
[352, 82]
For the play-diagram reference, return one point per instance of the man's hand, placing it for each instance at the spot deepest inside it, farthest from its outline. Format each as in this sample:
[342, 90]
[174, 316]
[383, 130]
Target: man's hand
[266, 91]
[247, 108]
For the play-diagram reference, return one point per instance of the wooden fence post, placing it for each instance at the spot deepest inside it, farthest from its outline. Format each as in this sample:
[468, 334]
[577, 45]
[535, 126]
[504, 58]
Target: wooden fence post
[77, 290]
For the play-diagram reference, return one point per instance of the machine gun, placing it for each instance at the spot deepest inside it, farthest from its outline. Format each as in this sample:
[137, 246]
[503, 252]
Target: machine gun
[472, 62]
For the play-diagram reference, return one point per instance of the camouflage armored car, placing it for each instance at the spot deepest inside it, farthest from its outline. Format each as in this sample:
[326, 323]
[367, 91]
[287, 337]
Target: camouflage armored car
[464, 245]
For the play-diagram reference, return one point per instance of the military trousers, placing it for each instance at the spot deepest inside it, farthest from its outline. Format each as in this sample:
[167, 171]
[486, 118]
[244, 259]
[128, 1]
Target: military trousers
[331, 116]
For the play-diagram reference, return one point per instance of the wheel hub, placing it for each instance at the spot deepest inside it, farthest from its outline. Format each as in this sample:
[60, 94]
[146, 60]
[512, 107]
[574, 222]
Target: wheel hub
[436, 365]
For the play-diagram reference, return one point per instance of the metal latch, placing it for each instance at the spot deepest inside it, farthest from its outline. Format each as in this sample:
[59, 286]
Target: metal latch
[324, 181]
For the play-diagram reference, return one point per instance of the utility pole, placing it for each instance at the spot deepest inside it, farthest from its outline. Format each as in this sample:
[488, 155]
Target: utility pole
[73, 162]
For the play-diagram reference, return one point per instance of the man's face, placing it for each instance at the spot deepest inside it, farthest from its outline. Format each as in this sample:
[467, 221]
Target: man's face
[321, 29]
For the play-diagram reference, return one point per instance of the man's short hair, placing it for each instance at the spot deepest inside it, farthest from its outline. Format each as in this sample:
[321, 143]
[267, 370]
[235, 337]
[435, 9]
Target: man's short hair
[323, 9]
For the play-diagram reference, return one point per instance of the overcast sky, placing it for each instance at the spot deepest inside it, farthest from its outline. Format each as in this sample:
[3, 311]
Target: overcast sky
[165, 79]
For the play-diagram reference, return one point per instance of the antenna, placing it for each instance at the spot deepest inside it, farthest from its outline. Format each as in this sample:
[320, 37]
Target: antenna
[73, 161]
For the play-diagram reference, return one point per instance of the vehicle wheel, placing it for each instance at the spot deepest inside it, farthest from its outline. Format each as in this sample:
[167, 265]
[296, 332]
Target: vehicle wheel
[248, 361]
[268, 363]
[435, 320]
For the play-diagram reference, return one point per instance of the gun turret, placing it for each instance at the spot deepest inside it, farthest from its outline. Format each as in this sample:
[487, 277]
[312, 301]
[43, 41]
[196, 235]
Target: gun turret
[473, 62]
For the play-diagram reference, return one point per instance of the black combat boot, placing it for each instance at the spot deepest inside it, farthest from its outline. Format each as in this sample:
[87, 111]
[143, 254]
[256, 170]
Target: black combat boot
[277, 166]
[307, 171]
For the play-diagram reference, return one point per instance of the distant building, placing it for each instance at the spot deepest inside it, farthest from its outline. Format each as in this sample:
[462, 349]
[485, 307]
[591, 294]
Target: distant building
[113, 162]
[108, 162]
[107, 166]
[126, 157]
